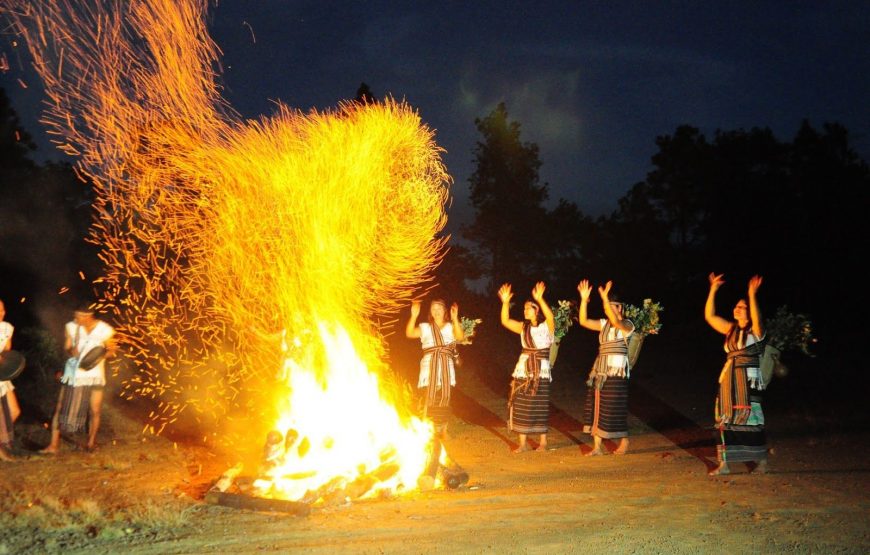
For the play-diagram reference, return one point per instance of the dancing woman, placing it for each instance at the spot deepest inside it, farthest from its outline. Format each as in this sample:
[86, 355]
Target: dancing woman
[605, 412]
[438, 337]
[739, 418]
[529, 402]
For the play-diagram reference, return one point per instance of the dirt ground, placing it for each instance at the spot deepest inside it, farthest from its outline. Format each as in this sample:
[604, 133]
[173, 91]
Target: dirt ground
[138, 495]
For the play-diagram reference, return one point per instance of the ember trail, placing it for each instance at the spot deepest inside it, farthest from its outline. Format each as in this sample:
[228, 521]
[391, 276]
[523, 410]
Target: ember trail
[244, 260]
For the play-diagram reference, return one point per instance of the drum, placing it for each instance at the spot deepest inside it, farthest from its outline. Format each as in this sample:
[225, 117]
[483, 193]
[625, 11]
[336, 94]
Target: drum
[11, 365]
[92, 357]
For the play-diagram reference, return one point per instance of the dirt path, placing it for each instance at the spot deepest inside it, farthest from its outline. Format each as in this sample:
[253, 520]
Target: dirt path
[146, 497]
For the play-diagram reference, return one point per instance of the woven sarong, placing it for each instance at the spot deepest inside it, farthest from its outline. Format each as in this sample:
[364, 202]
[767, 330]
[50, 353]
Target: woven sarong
[605, 411]
[437, 404]
[6, 429]
[743, 442]
[75, 405]
[739, 417]
[732, 406]
[530, 412]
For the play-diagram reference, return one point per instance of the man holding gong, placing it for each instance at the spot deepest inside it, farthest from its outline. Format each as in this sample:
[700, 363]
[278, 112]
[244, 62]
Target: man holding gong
[87, 342]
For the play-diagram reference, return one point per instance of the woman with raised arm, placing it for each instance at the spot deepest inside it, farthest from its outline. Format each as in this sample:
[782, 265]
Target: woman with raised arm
[529, 402]
[438, 336]
[605, 412]
[739, 418]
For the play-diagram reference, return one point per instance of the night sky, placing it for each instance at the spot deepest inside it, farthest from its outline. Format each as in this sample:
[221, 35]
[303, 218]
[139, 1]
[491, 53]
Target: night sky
[592, 83]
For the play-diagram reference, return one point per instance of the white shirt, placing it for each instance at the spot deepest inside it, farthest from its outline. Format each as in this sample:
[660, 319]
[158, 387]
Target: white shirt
[427, 339]
[6, 330]
[617, 365]
[84, 342]
[543, 338]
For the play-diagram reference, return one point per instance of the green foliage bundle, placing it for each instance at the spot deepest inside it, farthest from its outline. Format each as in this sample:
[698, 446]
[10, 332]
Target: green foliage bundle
[645, 318]
[469, 326]
[789, 331]
[564, 314]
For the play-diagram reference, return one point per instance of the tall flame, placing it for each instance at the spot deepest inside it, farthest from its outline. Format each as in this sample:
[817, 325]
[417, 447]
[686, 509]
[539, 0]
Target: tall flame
[218, 233]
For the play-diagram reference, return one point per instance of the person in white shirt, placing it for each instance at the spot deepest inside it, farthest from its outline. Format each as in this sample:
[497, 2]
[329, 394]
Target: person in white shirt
[529, 402]
[605, 412]
[438, 337]
[81, 395]
[9, 409]
[739, 416]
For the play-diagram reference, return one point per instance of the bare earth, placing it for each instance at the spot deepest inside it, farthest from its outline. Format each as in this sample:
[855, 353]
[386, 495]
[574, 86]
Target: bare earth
[135, 496]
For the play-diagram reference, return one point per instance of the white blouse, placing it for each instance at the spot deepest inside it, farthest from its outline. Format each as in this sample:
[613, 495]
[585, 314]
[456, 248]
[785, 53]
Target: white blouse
[84, 342]
[6, 330]
[427, 339]
[543, 338]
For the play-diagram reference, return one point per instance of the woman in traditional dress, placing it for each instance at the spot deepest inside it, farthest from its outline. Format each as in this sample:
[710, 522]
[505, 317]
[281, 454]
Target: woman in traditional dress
[9, 409]
[605, 412]
[438, 337]
[739, 418]
[529, 404]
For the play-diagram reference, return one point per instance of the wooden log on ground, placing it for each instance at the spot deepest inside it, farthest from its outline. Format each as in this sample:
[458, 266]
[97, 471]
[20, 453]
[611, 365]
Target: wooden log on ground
[240, 501]
[226, 480]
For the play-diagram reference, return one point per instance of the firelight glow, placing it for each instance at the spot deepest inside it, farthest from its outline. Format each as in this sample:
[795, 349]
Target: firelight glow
[218, 235]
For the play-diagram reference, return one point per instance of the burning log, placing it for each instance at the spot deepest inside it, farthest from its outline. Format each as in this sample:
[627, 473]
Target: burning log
[337, 483]
[450, 474]
[338, 490]
[241, 501]
[453, 477]
[366, 482]
[226, 480]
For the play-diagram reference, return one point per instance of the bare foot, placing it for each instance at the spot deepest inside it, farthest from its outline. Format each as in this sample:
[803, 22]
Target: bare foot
[5, 456]
[720, 470]
[541, 447]
[594, 453]
[49, 451]
[521, 448]
[760, 467]
[623, 447]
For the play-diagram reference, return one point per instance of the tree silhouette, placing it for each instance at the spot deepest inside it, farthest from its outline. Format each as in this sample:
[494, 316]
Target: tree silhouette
[15, 142]
[364, 94]
[509, 229]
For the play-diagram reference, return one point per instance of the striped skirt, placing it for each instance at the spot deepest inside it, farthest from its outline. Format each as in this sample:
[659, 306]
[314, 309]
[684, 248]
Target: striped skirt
[530, 414]
[438, 413]
[605, 412]
[75, 405]
[6, 429]
[746, 442]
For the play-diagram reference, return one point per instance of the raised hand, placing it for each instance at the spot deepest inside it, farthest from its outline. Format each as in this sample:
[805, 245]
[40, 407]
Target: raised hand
[604, 290]
[454, 311]
[538, 291]
[505, 293]
[585, 289]
[415, 309]
[754, 284]
[716, 281]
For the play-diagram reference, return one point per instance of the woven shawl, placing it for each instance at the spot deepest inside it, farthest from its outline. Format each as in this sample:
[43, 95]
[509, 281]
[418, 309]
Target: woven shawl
[617, 346]
[439, 369]
[733, 406]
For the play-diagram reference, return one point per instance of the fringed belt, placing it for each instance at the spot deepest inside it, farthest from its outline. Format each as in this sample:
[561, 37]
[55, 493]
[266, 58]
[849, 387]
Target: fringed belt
[529, 384]
[598, 374]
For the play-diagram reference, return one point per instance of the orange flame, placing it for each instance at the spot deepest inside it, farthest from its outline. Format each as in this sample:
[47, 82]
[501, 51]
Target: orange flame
[218, 232]
[341, 425]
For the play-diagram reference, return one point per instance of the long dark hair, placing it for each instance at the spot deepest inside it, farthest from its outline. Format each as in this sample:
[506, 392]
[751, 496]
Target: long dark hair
[535, 304]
